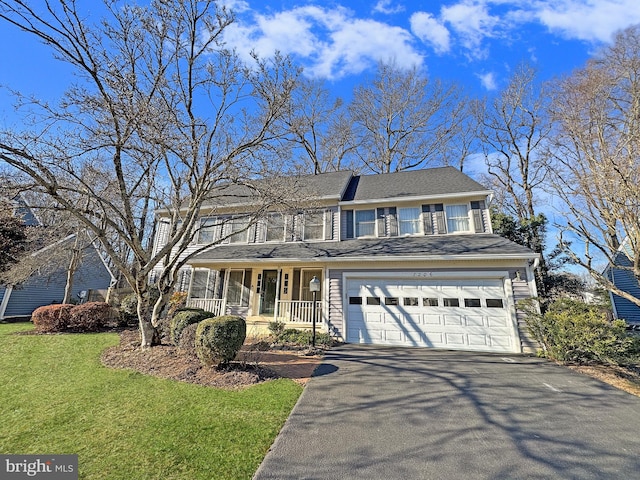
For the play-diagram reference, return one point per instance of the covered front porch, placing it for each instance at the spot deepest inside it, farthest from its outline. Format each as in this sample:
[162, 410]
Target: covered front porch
[260, 295]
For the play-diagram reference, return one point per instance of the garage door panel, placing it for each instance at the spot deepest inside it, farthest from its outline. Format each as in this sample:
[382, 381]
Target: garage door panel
[475, 320]
[453, 320]
[431, 319]
[455, 339]
[445, 313]
[478, 340]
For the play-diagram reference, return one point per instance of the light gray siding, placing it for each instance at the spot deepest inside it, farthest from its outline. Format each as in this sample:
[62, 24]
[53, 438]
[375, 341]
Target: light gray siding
[39, 290]
[336, 314]
[521, 291]
[626, 281]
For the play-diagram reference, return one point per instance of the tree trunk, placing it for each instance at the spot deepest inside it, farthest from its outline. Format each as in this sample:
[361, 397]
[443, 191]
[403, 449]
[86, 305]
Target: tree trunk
[76, 256]
[148, 333]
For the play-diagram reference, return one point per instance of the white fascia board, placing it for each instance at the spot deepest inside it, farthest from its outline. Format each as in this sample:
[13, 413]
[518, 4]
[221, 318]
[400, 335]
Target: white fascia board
[426, 258]
[417, 198]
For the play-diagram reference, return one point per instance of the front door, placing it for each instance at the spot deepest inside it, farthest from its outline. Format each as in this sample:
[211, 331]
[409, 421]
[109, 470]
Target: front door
[269, 290]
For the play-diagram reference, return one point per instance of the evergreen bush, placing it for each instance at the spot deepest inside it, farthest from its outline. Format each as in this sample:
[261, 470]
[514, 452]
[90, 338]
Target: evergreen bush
[182, 318]
[218, 340]
[572, 331]
[187, 342]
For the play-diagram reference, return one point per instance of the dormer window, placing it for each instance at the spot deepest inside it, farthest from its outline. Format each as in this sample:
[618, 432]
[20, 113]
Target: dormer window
[365, 223]
[457, 218]
[409, 221]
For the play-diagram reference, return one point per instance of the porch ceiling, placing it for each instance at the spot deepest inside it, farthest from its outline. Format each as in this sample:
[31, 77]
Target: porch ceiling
[428, 247]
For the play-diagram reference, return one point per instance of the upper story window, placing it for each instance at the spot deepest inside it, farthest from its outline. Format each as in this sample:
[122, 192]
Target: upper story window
[206, 233]
[457, 218]
[409, 220]
[313, 226]
[238, 230]
[365, 223]
[275, 228]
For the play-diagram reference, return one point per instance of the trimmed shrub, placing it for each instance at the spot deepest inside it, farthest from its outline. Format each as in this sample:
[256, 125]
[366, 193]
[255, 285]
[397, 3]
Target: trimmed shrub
[303, 337]
[572, 331]
[218, 340]
[51, 318]
[182, 319]
[90, 317]
[187, 343]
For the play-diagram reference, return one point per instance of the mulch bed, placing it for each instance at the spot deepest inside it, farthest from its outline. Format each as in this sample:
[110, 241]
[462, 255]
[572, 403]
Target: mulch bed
[252, 366]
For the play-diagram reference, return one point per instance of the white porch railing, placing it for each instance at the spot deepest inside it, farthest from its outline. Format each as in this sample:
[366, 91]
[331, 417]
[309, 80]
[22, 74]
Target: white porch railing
[216, 306]
[298, 311]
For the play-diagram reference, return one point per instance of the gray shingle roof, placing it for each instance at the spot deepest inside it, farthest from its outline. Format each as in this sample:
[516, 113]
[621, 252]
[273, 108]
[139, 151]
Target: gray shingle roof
[412, 183]
[323, 186]
[372, 249]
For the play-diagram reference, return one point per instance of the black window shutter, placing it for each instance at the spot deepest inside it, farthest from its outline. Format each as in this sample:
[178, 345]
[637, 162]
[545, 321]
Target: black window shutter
[393, 221]
[380, 222]
[427, 221]
[349, 223]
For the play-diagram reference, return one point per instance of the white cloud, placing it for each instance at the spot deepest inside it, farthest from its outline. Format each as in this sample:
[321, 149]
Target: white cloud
[488, 80]
[593, 20]
[331, 43]
[384, 6]
[471, 20]
[431, 31]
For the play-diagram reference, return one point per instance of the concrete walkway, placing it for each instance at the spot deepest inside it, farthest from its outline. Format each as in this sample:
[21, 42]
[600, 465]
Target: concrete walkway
[396, 413]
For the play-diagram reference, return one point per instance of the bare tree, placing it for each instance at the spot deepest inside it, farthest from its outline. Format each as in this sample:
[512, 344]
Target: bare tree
[514, 128]
[596, 158]
[318, 127]
[161, 115]
[404, 120]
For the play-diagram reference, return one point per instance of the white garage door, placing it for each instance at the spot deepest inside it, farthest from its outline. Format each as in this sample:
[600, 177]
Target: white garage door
[461, 314]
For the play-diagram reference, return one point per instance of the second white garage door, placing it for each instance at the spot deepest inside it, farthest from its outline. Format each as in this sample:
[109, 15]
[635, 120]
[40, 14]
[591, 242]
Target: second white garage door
[461, 314]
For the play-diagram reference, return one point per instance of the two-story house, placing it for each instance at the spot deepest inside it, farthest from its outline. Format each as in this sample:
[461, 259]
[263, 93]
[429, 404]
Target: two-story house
[405, 258]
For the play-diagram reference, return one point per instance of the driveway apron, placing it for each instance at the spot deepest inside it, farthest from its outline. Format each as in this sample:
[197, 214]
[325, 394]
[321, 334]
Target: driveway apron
[398, 413]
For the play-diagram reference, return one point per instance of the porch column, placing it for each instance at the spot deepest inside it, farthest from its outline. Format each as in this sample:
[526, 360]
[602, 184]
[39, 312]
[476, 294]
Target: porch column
[276, 310]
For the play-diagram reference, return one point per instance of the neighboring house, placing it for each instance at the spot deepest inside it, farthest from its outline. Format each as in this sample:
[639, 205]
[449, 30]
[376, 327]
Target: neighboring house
[47, 288]
[404, 258]
[624, 279]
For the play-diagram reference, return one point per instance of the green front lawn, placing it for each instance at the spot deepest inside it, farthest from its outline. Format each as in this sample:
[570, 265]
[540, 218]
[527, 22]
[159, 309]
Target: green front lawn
[57, 398]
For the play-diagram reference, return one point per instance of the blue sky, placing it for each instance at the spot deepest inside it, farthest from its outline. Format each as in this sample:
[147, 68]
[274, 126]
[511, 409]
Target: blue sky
[474, 42]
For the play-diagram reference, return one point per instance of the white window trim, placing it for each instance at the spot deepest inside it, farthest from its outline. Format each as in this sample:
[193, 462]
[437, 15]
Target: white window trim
[206, 286]
[244, 230]
[320, 214]
[226, 287]
[214, 226]
[469, 218]
[417, 220]
[284, 228]
[355, 223]
[302, 284]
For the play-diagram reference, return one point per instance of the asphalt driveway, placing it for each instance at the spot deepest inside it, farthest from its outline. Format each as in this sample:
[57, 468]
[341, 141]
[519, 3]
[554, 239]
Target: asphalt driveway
[396, 413]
